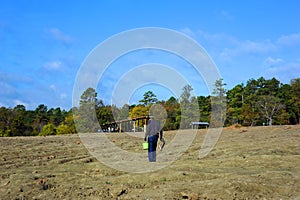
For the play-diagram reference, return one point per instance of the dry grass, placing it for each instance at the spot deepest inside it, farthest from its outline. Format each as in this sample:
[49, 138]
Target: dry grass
[246, 163]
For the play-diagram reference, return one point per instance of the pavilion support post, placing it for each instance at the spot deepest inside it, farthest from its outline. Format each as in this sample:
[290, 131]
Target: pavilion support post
[133, 126]
[145, 126]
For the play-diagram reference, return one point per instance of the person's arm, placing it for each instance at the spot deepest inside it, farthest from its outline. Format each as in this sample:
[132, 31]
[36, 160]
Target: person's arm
[161, 134]
[147, 132]
[160, 131]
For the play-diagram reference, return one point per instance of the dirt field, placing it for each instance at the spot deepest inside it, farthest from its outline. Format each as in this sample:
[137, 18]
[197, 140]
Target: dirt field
[246, 163]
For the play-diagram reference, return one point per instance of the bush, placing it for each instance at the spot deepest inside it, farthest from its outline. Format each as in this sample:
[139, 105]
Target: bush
[3, 133]
[48, 129]
[63, 129]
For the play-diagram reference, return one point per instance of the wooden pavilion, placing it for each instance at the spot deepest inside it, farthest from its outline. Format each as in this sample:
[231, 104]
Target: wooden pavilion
[137, 124]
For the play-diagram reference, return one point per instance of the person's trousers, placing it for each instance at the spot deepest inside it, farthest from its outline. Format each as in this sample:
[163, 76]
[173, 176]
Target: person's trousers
[152, 140]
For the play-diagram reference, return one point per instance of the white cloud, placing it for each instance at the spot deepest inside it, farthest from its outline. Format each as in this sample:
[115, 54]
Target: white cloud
[6, 88]
[284, 71]
[226, 55]
[290, 40]
[60, 36]
[256, 47]
[55, 65]
[245, 48]
[228, 47]
[19, 102]
[218, 38]
[253, 58]
[188, 32]
[63, 96]
[251, 47]
[272, 61]
[53, 87]
[3, 105]
[225, 15]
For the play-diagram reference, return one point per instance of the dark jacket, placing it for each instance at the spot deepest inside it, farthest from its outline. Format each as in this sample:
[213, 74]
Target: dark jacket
[153, 128]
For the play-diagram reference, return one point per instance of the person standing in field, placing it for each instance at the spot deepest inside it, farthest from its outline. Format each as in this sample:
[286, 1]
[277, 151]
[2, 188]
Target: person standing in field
[153, 132]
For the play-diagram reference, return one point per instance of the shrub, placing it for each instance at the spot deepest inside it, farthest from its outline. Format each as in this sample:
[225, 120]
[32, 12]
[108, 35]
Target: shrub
[63, 129]
[48, 129]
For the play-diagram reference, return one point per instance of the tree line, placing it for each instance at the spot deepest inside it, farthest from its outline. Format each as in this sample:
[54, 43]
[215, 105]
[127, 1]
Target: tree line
[18, 121]
[258, 102]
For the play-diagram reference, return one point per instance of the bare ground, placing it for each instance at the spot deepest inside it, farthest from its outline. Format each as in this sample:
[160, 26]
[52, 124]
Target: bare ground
[246, 163]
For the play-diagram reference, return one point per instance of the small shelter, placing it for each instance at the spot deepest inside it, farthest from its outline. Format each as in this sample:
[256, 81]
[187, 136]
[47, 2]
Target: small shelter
[196, 125]
[126, 125]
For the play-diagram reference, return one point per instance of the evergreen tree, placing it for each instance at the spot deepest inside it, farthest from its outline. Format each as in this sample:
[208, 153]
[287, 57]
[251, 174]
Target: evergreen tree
[149, 98]
[218, 104]
[235, 101]
[86, 119]
[295, 83]
[173, 110]
[18, 126]
[204, 108]
[189, 108]
[40, 118]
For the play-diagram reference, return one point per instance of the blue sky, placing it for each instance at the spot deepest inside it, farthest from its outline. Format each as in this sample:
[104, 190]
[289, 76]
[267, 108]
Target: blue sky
[43, 43]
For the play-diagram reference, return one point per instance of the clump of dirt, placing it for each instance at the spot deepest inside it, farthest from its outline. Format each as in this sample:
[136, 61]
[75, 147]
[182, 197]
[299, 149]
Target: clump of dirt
[234, 126]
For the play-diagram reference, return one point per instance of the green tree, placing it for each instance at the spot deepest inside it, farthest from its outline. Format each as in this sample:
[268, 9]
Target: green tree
[256, 109]
[268, 87]
[250, 114]
[139, 111]
[5, 122]
[69, 121]
[204, 108]
[295, 83]
[88, 97]
[270, 106]
[64, 129]
[149, 98]
[250, 111]
[105, 115]
[289, 114]
[18, 126]
[48, 129]
[40, 118]
[29, 118]
[189, 108]
[56, 116]
[86, 119]
[120, 113]
[173, 108]
[218, 104]
[235, 98]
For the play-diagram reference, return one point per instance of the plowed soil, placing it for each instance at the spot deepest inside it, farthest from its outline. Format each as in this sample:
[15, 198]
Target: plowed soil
[246, 163]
